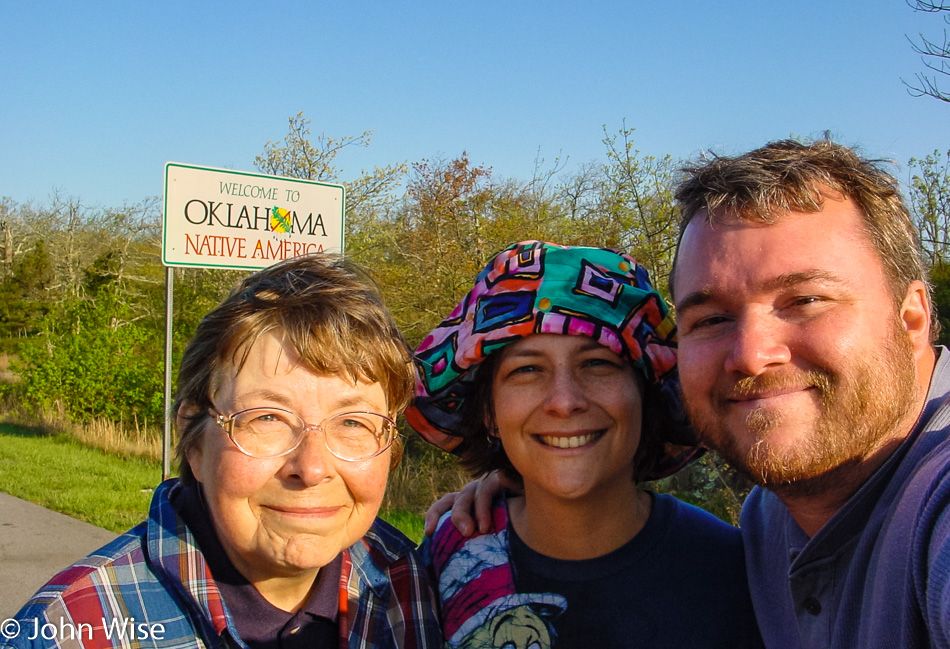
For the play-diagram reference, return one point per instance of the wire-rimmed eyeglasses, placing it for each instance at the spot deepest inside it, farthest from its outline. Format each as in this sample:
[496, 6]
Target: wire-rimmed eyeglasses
[272, 432]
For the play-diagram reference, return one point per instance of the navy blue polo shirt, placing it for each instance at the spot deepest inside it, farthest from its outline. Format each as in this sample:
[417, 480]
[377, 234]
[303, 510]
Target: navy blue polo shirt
[877, 574]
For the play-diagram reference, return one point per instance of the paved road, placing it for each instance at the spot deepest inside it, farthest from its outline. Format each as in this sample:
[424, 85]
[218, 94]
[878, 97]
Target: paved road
[35, 544]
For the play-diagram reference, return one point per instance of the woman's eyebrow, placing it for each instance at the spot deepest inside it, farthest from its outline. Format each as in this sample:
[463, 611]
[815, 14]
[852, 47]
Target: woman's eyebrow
[522, 353]
[331, 403]
[349, 401]
[266, 395]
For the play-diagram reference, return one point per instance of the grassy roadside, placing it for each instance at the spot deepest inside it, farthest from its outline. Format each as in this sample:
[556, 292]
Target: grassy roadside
[58, 472]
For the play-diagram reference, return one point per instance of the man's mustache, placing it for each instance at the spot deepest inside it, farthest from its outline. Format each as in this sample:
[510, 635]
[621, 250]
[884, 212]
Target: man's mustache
[763, 383]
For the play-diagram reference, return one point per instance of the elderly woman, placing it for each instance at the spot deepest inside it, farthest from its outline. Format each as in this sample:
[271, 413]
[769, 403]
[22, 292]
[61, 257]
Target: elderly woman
[558, 368]
[285, 406]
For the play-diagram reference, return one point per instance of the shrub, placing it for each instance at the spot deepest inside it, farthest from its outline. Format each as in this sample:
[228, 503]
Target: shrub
[86, 363]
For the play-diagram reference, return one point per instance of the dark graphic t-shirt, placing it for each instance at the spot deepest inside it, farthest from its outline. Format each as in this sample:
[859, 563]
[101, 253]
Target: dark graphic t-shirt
[680, 582]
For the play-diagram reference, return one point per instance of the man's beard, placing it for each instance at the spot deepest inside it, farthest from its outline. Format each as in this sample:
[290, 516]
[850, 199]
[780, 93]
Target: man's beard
[858, 412]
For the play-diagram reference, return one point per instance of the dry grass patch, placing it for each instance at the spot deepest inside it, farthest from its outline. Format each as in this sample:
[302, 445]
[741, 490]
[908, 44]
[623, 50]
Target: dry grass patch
[121, 439]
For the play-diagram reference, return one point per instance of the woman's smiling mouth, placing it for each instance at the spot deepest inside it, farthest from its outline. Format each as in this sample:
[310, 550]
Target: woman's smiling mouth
[573, 441]
[307, 512]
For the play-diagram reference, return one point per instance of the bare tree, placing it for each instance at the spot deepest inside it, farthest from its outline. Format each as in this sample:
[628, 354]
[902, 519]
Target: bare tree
[6, 259]
[935, 54]
[300, 155]
[640, 215]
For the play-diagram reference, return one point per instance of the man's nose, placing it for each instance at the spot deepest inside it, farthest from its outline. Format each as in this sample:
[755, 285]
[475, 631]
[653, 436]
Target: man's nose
[758, 344]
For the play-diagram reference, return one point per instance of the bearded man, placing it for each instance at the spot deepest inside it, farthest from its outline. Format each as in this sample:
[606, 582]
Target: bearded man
[806, 357]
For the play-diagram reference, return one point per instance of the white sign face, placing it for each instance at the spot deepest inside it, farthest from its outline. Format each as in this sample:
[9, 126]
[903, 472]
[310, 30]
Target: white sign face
[216, 218]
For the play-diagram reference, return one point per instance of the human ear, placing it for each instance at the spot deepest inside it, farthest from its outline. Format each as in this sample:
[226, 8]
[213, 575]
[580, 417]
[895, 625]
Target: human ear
[916, 317]
[488, 419]
[183, 418]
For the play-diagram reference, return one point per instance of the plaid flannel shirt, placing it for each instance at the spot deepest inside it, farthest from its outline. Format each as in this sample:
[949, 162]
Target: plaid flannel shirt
[151, 587]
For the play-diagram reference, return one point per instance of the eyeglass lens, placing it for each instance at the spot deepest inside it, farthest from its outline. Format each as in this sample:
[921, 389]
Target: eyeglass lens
[267, 432]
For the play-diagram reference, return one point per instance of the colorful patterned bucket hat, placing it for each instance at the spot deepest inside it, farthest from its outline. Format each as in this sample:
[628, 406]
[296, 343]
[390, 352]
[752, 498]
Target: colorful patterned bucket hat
[536, 287]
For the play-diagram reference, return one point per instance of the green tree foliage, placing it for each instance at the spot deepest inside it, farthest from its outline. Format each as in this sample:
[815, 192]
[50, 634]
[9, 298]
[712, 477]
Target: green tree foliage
[940, 280]
[86, 286]
[434, 244]
[710, 483]
[197, 291]
[84, 364]
[930, 204]
[24, 295]
[929, 197]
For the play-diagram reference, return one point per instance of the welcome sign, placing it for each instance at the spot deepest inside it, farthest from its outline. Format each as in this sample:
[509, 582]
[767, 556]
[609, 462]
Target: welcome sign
[217, 218]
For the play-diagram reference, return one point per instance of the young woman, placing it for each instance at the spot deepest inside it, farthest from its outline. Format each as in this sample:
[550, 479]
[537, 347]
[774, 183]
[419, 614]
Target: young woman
[558, 369]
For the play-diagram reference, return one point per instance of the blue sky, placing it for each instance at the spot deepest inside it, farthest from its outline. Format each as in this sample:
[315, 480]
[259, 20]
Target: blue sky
[97, 96]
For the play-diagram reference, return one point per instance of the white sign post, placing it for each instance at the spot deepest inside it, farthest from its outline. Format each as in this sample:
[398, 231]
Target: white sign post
[217, 218]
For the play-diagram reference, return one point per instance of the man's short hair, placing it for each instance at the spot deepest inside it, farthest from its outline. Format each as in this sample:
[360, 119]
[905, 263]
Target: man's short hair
[791, 176]
[326, 309]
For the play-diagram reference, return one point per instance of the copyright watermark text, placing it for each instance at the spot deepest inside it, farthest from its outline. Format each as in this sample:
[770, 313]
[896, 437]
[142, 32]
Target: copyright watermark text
[111, 629]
